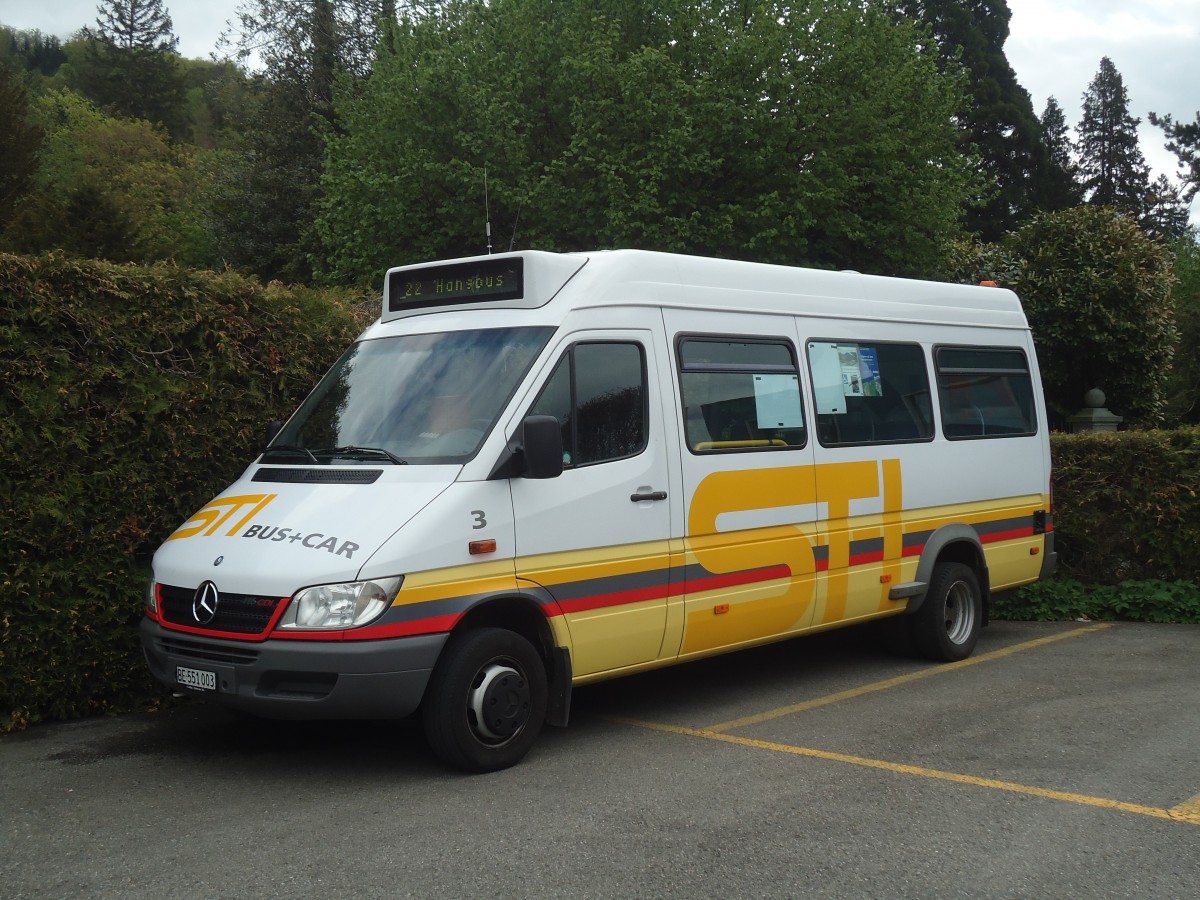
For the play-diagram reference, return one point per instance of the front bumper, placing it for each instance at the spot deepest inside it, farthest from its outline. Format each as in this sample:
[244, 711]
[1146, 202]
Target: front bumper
[382, 679]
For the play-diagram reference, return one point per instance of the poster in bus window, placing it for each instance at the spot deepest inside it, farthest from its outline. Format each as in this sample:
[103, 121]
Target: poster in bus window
[851, 376]
[868, 371]
[860, 371]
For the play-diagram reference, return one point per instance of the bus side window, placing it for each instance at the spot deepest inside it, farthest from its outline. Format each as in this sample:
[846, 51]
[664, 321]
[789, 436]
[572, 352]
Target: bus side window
[598, 395]
[870, 393]
[740, 394]
[984, 392]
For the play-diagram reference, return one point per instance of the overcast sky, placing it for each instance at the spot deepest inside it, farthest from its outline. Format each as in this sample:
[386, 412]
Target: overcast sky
[1055, 48]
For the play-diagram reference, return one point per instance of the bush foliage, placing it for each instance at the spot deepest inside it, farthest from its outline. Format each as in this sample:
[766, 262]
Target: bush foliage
[131, 396]
[1127, 513]
[1098, 294]
[1062, 599]
[1127, 505]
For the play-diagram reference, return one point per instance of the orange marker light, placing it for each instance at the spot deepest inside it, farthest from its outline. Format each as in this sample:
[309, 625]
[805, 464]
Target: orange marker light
[720, 608]
[885, 579]
[988, 284]
[477, 547]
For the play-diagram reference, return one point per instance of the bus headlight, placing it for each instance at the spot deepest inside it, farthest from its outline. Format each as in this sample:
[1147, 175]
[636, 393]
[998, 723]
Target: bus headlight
[338, 606]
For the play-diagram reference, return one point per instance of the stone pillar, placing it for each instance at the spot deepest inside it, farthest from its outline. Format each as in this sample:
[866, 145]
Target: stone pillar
[1093, 416]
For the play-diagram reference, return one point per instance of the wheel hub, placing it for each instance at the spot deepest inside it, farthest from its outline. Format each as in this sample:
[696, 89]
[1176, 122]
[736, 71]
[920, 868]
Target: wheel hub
[960, 613]
[499, 702]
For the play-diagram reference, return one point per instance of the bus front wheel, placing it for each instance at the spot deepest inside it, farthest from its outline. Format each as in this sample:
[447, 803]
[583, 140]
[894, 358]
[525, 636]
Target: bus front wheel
[486, 701]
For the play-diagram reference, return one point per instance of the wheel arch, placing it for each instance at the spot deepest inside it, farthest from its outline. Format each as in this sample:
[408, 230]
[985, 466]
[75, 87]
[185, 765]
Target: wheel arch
[956, 542]
[523, 615]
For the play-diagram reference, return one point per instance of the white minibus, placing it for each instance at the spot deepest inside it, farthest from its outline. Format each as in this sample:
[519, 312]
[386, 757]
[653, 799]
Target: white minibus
[539, 470]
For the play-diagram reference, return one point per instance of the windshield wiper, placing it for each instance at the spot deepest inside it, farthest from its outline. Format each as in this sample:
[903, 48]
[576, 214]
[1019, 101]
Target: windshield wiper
[368, 452]
[290, 450]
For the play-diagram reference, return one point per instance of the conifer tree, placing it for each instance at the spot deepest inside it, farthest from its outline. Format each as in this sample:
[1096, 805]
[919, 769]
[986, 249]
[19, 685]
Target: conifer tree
[20, 140]
[999, 121]
[32, 51]
[1166, 214]
[1183, 139]
[262, 208]
[1059, 186]
[1113, 170]
[133, 66]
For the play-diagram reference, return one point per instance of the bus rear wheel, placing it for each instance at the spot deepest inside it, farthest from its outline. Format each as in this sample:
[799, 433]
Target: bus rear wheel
[486, 700]
[946, 627]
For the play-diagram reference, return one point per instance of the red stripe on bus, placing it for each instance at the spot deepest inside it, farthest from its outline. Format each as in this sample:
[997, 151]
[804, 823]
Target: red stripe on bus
[1010, 535]
[659, 592]
[431, 625]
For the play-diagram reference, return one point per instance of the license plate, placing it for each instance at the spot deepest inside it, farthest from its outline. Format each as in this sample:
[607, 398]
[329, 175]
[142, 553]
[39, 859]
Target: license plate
[196, 679]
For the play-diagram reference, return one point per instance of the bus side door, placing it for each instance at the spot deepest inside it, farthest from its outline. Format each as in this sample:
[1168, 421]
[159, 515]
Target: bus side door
[598, 537]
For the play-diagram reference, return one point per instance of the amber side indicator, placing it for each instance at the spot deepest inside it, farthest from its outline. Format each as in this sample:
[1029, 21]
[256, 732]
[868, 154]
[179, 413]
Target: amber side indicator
[720, 608]
[477, 547]
[988, 284]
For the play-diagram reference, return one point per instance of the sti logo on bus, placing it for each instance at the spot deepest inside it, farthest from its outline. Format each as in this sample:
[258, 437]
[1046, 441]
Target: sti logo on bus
[220, 512]
[239, 510]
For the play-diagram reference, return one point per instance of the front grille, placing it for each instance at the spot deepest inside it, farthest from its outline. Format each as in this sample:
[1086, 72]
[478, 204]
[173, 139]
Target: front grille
[194, 650]
[237, 613]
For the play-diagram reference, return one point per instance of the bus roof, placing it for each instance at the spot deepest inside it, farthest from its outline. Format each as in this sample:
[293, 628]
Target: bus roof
[532, 279]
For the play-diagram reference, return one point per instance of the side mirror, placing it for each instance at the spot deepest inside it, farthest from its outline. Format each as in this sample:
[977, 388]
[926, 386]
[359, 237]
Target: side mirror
[541, 447]
[273, 428]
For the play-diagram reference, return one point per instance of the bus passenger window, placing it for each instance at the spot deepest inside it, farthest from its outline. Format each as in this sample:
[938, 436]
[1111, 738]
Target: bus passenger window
[870, 393]
[740, 395]
[984, 392]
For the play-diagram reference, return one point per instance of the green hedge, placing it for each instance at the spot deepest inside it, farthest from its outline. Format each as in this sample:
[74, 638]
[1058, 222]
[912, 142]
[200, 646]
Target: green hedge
[131, 396]
[1127, 505]
[1127, 525]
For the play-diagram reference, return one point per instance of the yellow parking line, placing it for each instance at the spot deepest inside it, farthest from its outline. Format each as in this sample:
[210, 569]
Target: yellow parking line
[1186, 812]
[901, 679]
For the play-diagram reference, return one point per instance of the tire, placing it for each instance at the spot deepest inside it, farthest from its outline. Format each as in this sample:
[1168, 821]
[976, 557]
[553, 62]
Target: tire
[946, 627]
[486, 701]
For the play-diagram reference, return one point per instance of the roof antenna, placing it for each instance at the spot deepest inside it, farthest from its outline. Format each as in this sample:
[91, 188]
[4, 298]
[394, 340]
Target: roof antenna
[487, 213]
[513, 240]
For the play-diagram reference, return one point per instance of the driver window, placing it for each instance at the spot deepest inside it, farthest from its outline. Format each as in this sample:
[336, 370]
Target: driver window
[598, 395]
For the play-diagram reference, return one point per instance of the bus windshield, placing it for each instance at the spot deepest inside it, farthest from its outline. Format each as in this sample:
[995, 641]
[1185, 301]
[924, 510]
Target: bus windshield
[421, 398]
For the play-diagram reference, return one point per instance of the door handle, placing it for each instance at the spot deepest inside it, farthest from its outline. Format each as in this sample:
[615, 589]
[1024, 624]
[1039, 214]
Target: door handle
[648, 495]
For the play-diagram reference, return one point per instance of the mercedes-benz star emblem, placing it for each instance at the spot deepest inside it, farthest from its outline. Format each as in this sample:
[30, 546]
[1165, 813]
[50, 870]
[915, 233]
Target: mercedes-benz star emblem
[204, 606]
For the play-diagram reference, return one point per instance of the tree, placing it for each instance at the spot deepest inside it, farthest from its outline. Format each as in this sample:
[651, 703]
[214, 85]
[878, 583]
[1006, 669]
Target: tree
[289, 34]
[1097, 291]
[260, 205]
[1113, 168]
[1183, 139]
[20, 142]
[1183, 389]
[1166, 215]
[32, 51]
[998, 119]
[108, 187]
[1059, 188]
[825, 136]
[133, 68]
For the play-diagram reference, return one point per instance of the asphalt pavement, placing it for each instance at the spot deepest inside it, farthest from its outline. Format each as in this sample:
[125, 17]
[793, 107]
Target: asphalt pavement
[1061, 760]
